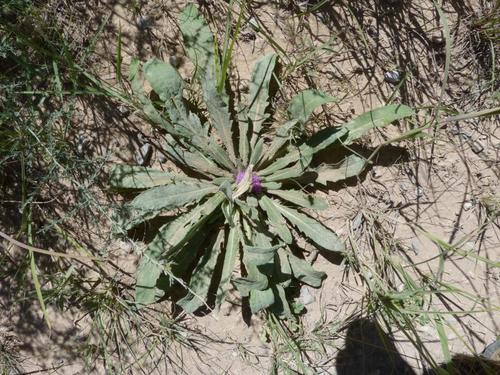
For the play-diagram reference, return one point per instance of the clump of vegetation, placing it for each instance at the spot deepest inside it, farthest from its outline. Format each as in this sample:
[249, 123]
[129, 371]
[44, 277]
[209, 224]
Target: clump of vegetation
[236, 195]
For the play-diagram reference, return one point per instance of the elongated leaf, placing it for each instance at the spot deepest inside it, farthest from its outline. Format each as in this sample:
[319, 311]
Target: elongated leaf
[168, 84]
[257, 152]
[301, 199]
[281, 306]
[149, 270]
[169, 237]
[259, 94]
[136, 82]
[304, 272]
[304, 103]
[137, 177]
[182, 228]
[294, 171]
[127, 217]
[261, 299]
[243, 139]
[245, 285]
[282, 270]
[232, 246]
[149, 109]
[155, 117]
[276, 220]
[271, 185]
[281, 137]
[218, 109]
[351, 166]
[194, 160]
[257, 256]
[301, 155]
[314, 230]
[198, 39]
[375, 119]
[171, 196]
[202, 277]
[346, 134]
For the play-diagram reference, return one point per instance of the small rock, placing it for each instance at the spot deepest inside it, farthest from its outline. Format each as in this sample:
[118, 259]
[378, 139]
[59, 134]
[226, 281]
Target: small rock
[123, 110]
[372, 31]
[175, 61]
[305, 296]
[393, 77]
[248, 34]
[376, 173]
[414, 247]
[476, 147]
[144, 22]
[357, 221]
[82, 145]
[438, 41]
[455, 130]
[162, 158]
[468, 205]
[465, 136]
[303, 5]
[419, 191]
[143, 155]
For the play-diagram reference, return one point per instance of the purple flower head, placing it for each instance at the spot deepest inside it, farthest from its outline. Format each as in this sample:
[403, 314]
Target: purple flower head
[256, 181]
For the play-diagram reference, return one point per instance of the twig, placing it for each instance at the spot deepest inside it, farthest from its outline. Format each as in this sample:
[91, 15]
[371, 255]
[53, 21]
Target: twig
[47, 252]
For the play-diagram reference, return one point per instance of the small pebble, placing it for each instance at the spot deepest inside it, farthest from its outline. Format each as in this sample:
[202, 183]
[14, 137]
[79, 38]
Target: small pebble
[468, 205]
[162, 158]
[305, 296]
[248, 34]
[419, 191]
[357, 221]
[438, 41]
[392, 76]
[124, 110]
[175, 61]
[476, 147]
[414, 247]
[143, 155]
[82, 145]
[144, 23]
[376, 173]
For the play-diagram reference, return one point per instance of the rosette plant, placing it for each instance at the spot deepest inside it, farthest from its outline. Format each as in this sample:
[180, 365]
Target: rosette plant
[237, 210]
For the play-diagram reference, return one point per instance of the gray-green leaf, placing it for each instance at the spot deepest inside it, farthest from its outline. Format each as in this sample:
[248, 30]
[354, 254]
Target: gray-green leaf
[167, 197]
[169, 237]
[137, 177]
[304, 103]
[261, 299]
[259, 93]
[230, 255]
[351, 166]
[314, 230]
[304, 272]
[202, 277]
[375, 119]
[276, 220]
[198, 39]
